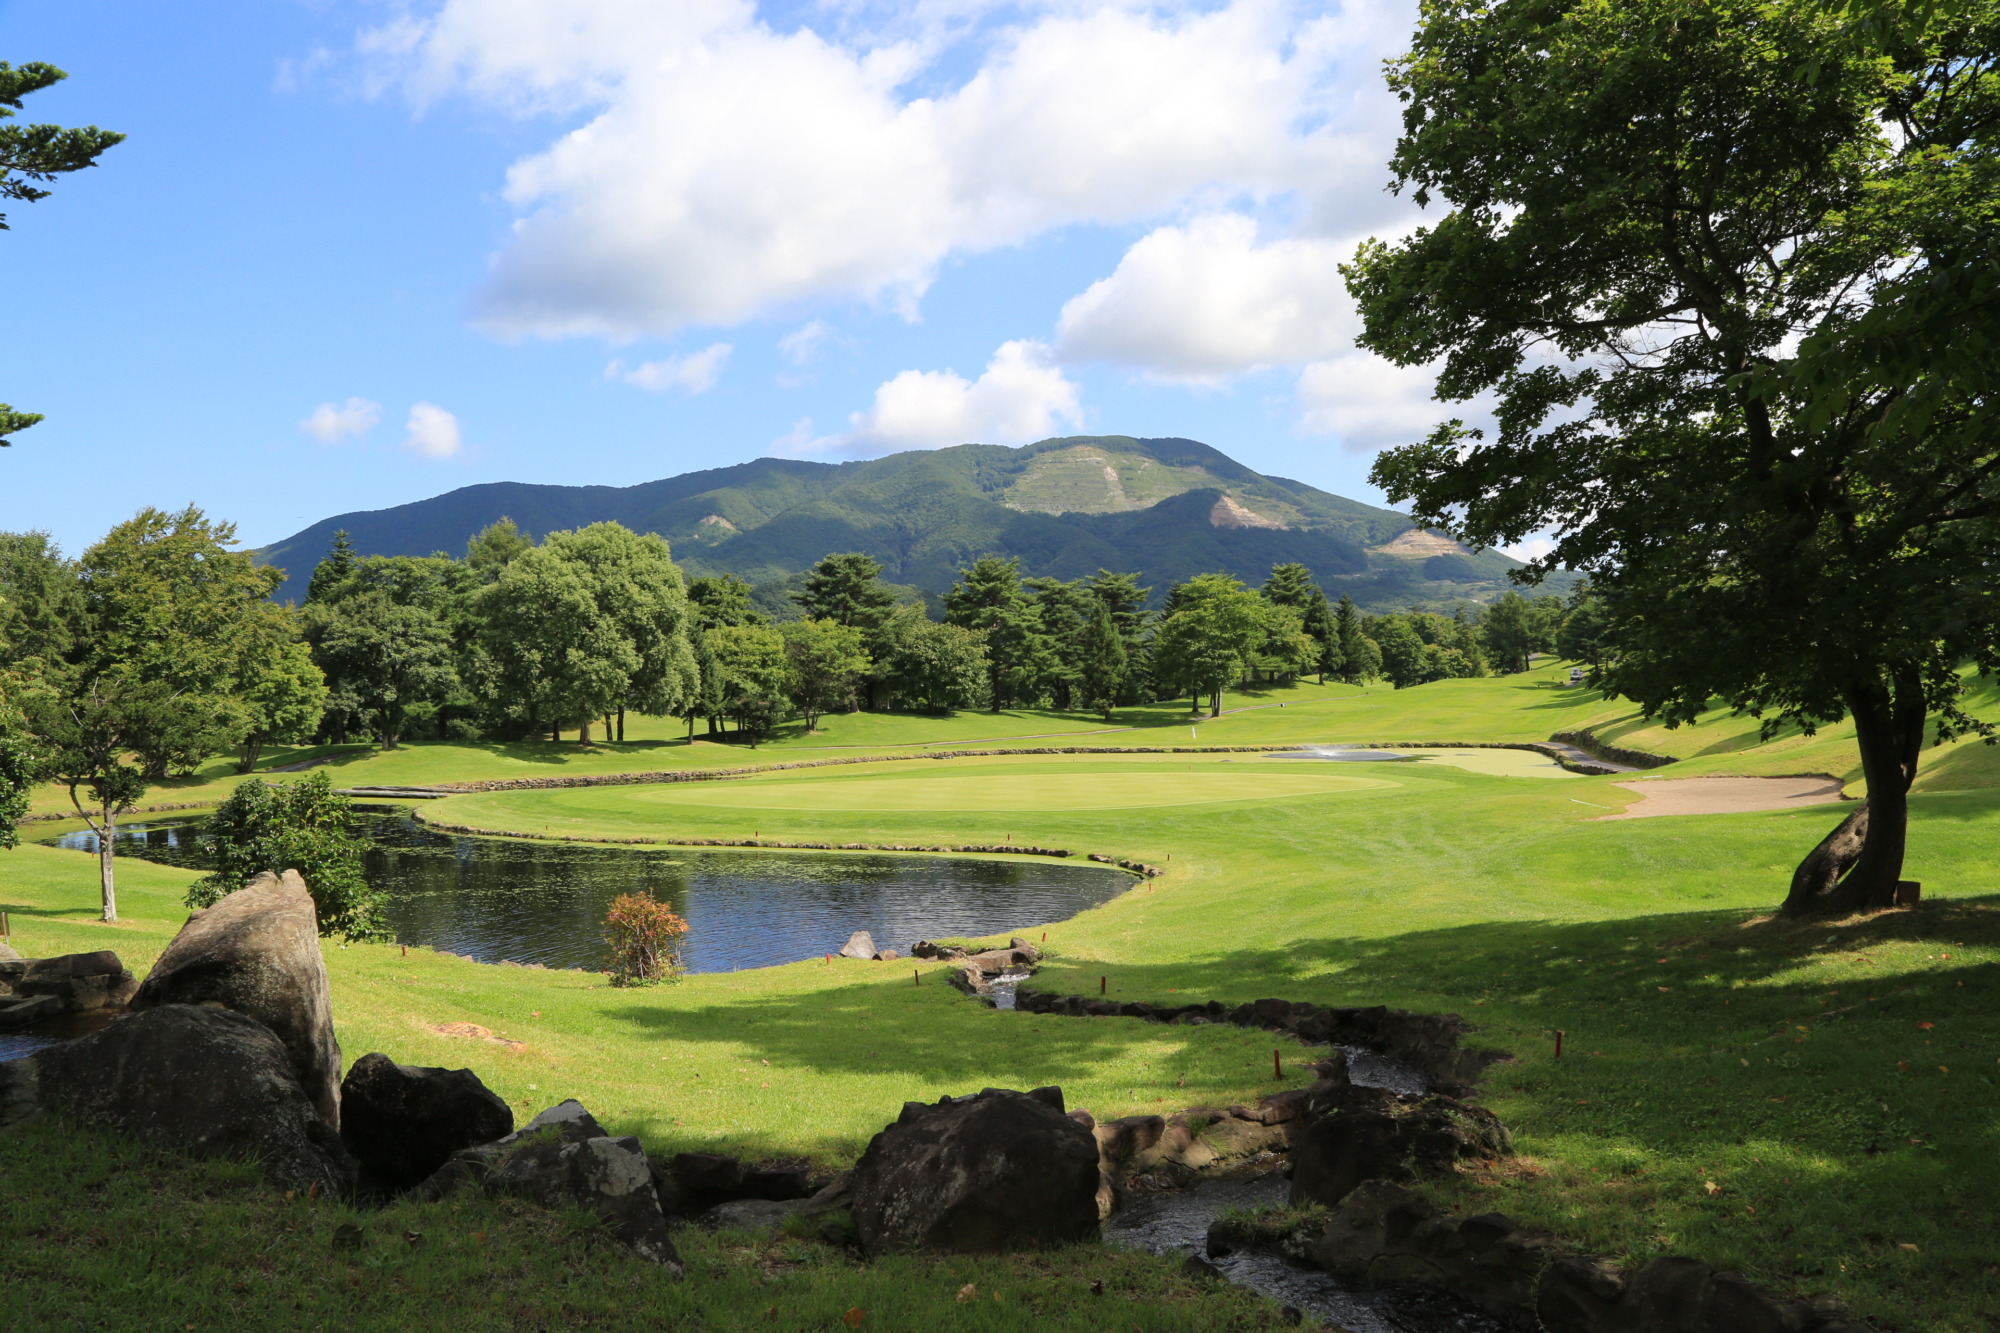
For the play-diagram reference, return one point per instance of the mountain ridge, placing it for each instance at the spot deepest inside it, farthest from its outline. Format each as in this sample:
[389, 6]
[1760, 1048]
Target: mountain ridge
[1166, 508]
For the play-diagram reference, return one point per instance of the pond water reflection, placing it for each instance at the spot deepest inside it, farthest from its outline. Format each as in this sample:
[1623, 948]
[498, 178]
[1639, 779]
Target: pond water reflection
[496, 898]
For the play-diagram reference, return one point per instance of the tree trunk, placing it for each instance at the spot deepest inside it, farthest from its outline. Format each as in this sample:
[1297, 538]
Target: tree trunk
[1869, 845]
[583, 732]
[1215, 705]
[621, 724]
[1820, 872]
[107, 831]
[246, 756]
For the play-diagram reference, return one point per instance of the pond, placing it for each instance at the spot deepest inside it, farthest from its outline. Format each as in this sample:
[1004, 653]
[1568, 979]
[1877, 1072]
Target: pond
[528, 902]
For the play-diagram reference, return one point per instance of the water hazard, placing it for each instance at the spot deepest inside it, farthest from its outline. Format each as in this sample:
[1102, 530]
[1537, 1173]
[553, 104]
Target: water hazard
[496, 898]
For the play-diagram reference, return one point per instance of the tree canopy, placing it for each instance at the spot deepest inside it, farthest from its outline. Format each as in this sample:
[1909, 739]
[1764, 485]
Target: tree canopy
[1690, 248]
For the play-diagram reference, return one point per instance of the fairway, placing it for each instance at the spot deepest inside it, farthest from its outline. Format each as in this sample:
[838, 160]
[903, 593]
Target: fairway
[1092, 789]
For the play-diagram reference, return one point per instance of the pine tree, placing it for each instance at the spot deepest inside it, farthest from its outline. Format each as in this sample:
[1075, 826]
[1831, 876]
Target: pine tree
[1101, 661]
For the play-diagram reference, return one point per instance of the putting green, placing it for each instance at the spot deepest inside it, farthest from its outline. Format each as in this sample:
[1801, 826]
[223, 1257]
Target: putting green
[1094, 790]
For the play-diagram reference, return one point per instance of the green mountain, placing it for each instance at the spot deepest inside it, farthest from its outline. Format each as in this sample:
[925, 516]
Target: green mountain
[1167, 509]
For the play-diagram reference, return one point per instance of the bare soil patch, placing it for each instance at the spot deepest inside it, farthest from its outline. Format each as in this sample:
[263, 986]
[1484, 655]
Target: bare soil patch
[1725, 796]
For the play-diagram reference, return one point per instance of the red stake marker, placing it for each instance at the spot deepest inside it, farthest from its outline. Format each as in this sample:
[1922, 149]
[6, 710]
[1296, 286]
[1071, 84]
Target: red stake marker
[916, 976]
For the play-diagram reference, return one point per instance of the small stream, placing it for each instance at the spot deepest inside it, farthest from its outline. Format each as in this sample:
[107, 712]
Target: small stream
[1175, 1222]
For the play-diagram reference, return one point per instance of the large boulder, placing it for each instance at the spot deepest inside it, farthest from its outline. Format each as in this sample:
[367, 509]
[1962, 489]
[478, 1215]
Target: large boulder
[609, 1177]
[257, 952]
[996, 1171]
[859, 945]
[33, 990]
[561, 1158]
[403, 1122]
[201, 1080]
[1352, 1134]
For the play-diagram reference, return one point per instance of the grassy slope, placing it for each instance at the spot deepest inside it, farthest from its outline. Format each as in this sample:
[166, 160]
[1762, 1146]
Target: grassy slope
[1489, 896]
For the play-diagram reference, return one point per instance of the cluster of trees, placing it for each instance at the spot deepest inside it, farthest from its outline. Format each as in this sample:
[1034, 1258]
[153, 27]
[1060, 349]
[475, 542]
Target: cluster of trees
[1727, 270]
[159, 646]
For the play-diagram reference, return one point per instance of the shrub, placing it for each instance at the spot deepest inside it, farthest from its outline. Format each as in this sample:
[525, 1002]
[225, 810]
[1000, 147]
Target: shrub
[645, 937]
[302, 826]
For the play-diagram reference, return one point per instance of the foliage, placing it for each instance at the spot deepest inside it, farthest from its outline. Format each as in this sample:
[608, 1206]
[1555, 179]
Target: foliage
[1102, 663]
[1713, 260]
[588, 622]
[645, 936]
[37, 153]
[41, 601]
[1211, 630]
[166, 603]
[826, 662]
[752, 675]
[491, 549]
[936, 667]
[386, 662]
[283, 693]
[722, 599]
[304, 825]
[19, 769]
[990, 599]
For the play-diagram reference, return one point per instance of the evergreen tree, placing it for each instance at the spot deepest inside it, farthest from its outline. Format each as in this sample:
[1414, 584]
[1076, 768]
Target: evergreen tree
[1324, 628]
[722, 599]
[1064, 610]
[1357, 663]
[333, 571]
[1126, 601]
[848, 590]
[989, 598]
[1101, 661]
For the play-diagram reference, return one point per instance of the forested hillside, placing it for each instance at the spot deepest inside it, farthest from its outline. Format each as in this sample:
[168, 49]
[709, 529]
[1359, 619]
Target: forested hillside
[1168, 509]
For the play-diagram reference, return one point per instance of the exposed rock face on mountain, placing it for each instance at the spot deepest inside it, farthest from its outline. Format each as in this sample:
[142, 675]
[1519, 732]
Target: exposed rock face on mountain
[1166, 509]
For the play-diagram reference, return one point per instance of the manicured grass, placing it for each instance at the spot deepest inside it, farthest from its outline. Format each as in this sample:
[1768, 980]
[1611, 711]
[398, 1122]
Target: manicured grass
[101, 1233]
[1787, 1065]
[1078, 787]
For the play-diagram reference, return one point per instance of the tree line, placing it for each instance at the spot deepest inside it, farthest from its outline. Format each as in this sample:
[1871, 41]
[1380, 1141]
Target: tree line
[159, 647]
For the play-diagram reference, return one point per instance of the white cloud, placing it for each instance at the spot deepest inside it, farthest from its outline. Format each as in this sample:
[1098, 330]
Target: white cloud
[330, 424]
[1530, 548]
[1021, 396]
[730, 169]
[693, 373]
[803, 343]
[433, 432]
[1371, 403]
[1205, 301]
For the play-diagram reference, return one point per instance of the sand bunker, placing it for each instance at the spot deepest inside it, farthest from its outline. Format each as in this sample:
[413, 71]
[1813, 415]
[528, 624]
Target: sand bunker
[1724, 796]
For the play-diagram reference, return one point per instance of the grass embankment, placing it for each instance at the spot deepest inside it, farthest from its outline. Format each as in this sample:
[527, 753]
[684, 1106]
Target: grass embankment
[1849, 1145]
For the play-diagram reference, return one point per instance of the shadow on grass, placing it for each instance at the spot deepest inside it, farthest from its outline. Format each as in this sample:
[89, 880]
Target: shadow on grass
[1687, 1033]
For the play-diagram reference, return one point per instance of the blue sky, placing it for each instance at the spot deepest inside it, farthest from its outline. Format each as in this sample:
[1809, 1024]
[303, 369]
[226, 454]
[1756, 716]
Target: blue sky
[355, 254]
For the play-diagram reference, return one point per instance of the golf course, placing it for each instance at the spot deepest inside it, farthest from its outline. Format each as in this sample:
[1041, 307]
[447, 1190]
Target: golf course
[1805, 1102]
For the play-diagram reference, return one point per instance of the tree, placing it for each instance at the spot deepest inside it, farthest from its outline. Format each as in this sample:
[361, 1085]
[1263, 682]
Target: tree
[753, 676]
[18, 770]
[1324, 628]
[334, 570]
[1126, 601]
[1403, 662]
[166, 602]
[1508, 631]
[492, 548]
[283, 694]
[938, 667]
[304, 825]
[1712, 259]
[826, 661]
[1063, 611]
[1207, 640]
[386, 662]
[86, 726]
[586, 623]
[722, 599]
[989, 598]
[41, 601]
[37, 153]
[848, 590]
[1101, 661]
[1357, 664]
[1585, 630]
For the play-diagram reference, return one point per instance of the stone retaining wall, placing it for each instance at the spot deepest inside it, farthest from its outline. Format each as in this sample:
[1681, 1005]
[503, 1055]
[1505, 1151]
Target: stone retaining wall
[1583, 739]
